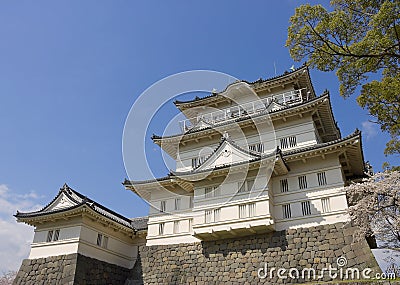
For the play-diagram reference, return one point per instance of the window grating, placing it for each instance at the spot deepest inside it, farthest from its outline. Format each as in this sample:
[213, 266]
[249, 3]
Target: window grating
[306, 208]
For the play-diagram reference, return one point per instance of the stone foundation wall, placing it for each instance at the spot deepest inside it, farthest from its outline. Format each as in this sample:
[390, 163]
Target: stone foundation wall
[50, 270]
[74, 269]
[237, 261]
[90, 271]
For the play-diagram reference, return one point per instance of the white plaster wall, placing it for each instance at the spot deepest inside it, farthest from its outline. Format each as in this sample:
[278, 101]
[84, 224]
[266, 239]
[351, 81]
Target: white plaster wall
[66, 244]
[302, 128]
[117, 252]
[170, 202]
[65, 233]
[312, 221]
[172, 239]
[184, 235]
[39, 250]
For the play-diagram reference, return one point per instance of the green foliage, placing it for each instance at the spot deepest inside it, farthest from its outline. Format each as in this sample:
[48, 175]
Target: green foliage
[357, 38]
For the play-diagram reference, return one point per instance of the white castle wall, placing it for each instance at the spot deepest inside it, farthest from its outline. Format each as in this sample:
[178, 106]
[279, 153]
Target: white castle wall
[80, 236]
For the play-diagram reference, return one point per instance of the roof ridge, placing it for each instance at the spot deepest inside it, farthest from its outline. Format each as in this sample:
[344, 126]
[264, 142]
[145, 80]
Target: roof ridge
[260, 80]
[158, 137]
[85, 201]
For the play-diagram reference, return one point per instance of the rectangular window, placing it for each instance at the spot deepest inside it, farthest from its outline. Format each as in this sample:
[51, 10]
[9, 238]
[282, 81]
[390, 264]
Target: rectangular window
[284, 143]
[321, 178]
[252, 209]
[161, 229]
[217, 191]
[56, 235]
[177, 204]
[302, 182]
[198, 160]
[49, 236]
[242, 186]
[326, 205]
[257, 147]
[288, 142]
[287, 212]
[292, 141]
[250, 184]
[163, 206]
[242, 211]
[190, 225]
[212, 191]
[306, 208]
[208, 216]
[176, 227]
[99, 239]
[246, 186]
[284, 185]
[105, 242]
[208, 192]
[217, 215]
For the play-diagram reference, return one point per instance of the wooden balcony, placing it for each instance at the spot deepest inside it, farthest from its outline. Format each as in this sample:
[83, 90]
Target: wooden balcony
[215, 118]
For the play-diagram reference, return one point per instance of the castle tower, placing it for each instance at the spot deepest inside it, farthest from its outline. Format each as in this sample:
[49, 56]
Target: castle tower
[255, 158]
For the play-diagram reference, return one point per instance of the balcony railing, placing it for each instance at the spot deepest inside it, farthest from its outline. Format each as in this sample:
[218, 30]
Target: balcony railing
[247, 109]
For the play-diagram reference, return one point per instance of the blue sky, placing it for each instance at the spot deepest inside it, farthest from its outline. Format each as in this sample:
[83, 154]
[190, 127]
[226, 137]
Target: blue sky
[71, 70]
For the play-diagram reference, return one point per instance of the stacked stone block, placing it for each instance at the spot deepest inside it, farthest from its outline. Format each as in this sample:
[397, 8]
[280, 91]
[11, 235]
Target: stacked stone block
[237, 261]
[73, 269]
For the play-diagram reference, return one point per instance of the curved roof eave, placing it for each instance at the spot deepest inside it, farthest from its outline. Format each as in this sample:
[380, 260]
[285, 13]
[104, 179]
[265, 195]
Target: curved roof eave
[355, 134]
[69, 192]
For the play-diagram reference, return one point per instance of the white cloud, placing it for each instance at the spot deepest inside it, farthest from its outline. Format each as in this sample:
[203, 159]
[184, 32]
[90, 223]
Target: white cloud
[15, 238]
[369, 129]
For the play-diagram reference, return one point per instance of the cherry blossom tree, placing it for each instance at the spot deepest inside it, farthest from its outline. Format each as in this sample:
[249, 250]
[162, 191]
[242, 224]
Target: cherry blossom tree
[375, 206]
[7, 278]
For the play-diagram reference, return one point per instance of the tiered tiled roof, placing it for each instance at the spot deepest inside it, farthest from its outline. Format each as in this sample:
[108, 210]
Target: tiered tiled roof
[256, 83]
[69, 199]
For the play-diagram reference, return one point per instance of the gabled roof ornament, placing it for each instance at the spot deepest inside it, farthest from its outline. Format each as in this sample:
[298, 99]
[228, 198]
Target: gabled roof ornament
[65, 187]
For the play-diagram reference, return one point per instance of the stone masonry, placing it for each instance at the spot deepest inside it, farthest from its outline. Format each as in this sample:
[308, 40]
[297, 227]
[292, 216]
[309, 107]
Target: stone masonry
[229, 261]
[236, 261]
[73, 269]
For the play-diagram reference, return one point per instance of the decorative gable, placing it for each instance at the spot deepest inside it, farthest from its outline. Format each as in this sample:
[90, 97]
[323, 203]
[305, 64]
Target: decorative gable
[273, 106]
[61, 202]
[226, 154]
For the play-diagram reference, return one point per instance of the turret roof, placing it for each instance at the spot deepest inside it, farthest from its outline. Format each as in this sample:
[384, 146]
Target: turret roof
[68, 199]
